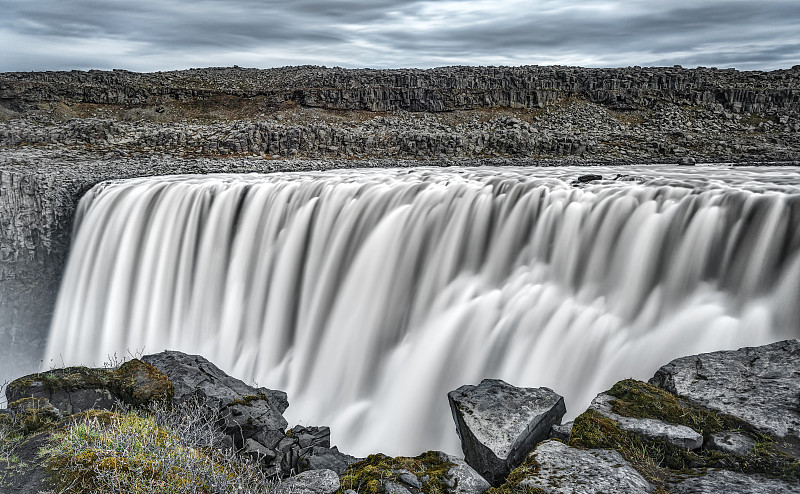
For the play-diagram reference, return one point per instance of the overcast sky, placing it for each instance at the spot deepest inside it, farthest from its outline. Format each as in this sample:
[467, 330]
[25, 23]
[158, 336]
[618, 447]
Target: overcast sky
[149, 35]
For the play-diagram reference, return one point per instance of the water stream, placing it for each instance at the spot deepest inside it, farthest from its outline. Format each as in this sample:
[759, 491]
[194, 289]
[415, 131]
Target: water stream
[368, 294]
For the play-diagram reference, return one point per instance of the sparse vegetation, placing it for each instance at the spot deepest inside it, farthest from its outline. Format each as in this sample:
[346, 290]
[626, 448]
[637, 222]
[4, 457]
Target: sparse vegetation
[366, 477]
[147, 452]
[658, 460]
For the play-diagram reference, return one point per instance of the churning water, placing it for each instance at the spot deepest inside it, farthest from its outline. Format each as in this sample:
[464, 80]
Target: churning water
[368, 294]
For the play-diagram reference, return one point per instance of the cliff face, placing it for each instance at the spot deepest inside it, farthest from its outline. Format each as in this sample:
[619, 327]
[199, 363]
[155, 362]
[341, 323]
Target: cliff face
[35, 220]
[631, 114]
[433, 90]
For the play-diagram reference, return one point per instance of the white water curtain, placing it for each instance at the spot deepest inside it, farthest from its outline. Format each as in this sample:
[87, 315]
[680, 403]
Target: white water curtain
[367, 295]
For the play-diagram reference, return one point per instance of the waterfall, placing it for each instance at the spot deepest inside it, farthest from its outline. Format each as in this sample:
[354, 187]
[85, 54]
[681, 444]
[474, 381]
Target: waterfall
[367, 295]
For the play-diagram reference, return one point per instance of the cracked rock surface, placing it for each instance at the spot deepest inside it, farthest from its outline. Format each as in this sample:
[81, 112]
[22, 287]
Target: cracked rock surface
[562, 469]
[499, 424]
[759, 385]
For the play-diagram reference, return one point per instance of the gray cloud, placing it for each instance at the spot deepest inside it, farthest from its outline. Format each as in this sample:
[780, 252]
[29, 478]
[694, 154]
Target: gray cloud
[159, 35]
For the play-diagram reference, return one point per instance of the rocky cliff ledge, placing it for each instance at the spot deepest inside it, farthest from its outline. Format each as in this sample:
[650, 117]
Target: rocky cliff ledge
[727, 421]
[620, 115]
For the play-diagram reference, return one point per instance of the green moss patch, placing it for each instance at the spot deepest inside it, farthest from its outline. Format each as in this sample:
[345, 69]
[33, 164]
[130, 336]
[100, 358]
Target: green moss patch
[641, 400]
[512, 483]
[658, 460]
[248, 400]
[134, 382]
[365, 476]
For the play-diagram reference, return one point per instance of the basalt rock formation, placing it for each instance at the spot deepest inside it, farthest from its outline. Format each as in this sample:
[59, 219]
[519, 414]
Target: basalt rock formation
[625, 114]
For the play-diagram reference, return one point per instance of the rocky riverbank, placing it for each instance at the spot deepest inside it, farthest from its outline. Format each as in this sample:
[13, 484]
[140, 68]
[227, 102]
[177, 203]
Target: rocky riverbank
[727, 421]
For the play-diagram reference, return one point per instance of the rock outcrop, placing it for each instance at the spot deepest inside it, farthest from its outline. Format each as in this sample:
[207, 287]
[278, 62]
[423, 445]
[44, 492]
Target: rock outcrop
[432, 90]
[679, 436]
[77, 389]
[637, 437]
[252, 417]
[499, 424]
[760, 385]
[556, 467]
[601, 452]
[310, 482]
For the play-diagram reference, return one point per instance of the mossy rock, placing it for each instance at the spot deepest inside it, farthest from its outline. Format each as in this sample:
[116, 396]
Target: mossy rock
[33, 414]
[138, 383]
[517, 475]
[366, 476]
[638, 399]
[658, 460]
[135, 382]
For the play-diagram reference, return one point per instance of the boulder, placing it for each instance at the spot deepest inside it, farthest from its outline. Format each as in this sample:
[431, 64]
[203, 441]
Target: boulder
[77, 389]
[310, 482]
[677, 435]
[760, 385]
[463, 478]
[326, 458]
[725, 481]
[585, 179]
[32, 414]
[731, 442]
[244, 409]
[499, 424]
[556, 467]
[251, 416]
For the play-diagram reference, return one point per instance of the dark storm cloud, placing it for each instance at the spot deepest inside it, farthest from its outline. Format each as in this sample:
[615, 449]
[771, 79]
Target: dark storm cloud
[158, 35]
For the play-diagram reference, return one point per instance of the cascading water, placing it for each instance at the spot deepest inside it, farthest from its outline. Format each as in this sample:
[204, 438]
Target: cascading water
[368, 294]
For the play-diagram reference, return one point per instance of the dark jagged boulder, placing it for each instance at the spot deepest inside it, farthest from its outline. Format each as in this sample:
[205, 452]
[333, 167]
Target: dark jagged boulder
[499, 424]
[251, 416]
[77, 389]
[759, 385]
[319, 457]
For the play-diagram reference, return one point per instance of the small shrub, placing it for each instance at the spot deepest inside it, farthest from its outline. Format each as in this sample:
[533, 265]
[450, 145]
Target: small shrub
[131, 453]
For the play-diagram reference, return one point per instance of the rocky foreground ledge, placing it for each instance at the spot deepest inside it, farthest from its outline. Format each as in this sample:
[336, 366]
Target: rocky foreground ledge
[727, 422]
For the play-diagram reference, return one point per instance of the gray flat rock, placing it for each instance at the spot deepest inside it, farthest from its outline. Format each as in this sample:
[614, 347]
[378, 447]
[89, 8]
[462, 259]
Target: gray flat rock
[499, 424]
[677, 435]
[310, 482]
[464, 478]
[583, 471]
[394, 488]
[759, 385]
[727, 482]
[731, 442]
